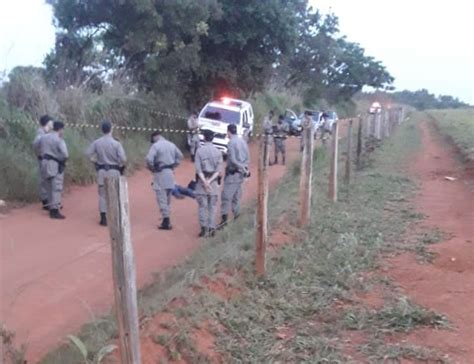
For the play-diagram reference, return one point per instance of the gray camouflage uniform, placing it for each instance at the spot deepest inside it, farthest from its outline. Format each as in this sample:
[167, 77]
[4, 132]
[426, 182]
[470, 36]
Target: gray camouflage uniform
[108, 156]
[162, 157]
[194, 143]
[208, 161]
[51, 145]
[237, 163]
[42, 182]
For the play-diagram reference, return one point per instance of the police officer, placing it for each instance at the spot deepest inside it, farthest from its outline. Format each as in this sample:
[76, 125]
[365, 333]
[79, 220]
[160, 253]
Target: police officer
[161, 159]
[46, 124]
[280, 131]
[109, 158]
[208, 165]
[236, 171]
[307, 123]
[326, 126]
[54, 154]
[267, 124]
[193, 134]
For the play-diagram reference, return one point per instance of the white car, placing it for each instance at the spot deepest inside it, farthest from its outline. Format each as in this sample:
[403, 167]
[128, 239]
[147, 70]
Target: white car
[218, 114]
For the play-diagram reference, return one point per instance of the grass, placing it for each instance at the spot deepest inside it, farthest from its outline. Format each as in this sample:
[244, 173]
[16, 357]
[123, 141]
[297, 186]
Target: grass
[379, 352]
[401, 315]
[458, 125]
[304, 281]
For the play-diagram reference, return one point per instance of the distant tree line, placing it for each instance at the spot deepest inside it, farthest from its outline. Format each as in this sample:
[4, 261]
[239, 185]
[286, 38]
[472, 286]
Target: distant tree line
[203, 48]
[421, 99]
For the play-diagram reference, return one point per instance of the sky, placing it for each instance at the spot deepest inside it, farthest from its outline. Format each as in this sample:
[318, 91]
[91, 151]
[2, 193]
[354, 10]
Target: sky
[423, 44]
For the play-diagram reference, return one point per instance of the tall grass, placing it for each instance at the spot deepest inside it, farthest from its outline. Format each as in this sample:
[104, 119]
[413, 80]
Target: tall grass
[18, 180]
[459, 126]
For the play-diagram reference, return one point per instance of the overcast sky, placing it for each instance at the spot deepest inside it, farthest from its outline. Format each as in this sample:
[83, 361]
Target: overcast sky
[424, 44]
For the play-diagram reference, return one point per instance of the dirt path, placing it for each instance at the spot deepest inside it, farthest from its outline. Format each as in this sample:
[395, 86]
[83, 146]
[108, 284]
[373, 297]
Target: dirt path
[56, 275]
[447, 285]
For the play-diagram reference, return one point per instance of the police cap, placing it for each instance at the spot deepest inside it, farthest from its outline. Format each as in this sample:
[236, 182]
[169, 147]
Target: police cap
[58, 125]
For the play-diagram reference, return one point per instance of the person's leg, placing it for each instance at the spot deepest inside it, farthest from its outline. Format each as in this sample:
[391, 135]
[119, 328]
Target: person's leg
[236, 196]
[102, 206]
[202, 212]
[57, 189]
[276, 152]
[226, 198]
[212, 212]
[283, 153]
[162, 200]
[162, 197]
[102, 200]
[49, 190]
[42, 187]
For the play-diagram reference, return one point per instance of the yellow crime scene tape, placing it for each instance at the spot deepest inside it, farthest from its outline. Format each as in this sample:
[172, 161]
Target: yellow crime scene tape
[137, 128]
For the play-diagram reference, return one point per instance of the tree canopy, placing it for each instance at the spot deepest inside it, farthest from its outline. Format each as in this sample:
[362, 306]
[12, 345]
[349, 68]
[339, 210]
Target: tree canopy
[200, 48]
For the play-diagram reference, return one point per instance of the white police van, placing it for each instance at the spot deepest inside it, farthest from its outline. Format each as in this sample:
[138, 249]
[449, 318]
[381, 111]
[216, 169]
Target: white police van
[218, 114]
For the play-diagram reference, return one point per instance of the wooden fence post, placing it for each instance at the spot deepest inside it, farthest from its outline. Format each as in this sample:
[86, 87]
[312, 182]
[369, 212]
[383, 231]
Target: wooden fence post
[123, 267]
[378, 120]
[262, 206]
[347, 175]
[370, 131]
[306, 175]
[359, 142]
[332, 192]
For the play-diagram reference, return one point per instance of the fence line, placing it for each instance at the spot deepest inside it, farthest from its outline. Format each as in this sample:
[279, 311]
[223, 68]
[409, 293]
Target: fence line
[262, 207]
[130, 128]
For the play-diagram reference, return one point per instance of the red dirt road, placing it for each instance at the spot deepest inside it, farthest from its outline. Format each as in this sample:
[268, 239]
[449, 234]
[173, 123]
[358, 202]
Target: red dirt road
[56, 275]
[447, 285]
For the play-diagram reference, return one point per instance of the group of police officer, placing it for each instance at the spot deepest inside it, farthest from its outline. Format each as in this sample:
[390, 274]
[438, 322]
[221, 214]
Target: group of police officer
[278, 132]
[163, 157]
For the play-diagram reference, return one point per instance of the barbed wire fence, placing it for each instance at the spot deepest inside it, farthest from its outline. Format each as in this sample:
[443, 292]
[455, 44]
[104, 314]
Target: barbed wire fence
[372, 130]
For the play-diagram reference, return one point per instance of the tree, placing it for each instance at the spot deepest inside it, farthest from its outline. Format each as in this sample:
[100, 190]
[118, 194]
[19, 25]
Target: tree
[27, 91]
[198, 49]
[244, 46]
[156, 43]
[328, 66]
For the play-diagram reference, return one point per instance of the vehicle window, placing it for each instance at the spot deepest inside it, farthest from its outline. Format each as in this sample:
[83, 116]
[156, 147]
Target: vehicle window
[245, 118]
[223, 115]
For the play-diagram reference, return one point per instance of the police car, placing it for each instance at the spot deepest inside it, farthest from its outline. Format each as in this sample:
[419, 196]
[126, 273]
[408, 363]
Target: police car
[375, 108]
[218, 114]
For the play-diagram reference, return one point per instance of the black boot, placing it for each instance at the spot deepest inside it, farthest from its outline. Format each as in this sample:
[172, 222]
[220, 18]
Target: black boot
[223, 222]
[212, 232]
[203, 232]
[165, 224]
[55, 214]
[192, 158]
[45, 205]
[103, 219]
[283, 162]
[276, 160]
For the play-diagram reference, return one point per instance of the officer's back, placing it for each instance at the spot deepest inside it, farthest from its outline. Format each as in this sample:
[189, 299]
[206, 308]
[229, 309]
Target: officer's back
[108, 151]
[209, 158]
[237, 153]
[54, 146]
[165, 153]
